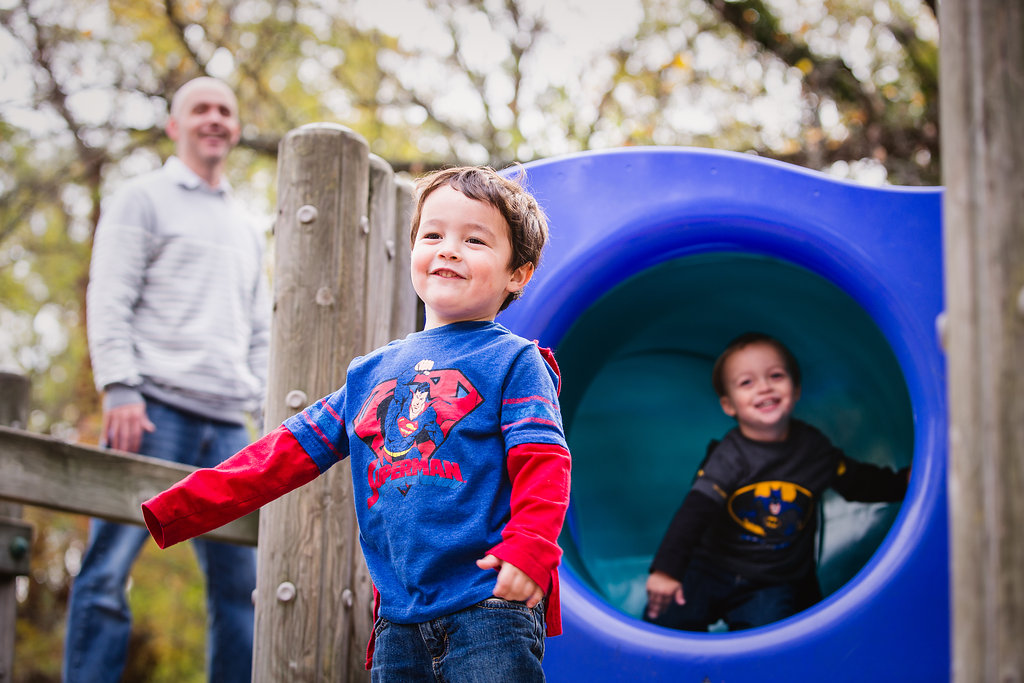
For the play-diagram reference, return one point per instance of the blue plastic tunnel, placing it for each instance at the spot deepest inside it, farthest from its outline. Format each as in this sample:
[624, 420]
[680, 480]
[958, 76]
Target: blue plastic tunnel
[659, 256]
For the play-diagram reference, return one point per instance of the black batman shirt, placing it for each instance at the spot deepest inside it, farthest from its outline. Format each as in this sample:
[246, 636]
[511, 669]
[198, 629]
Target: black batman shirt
[752, 509]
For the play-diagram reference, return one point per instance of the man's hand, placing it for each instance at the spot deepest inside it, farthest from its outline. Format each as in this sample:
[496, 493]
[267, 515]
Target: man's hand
[662, 589]
[513, 583]
[123, 426]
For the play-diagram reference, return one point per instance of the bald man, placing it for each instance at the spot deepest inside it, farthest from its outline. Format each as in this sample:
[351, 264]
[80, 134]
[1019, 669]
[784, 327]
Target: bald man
[178, 326]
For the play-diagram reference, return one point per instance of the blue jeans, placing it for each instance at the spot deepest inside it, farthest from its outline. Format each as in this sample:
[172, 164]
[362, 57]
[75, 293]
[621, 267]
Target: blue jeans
[99, 620]
[494, 640]
[712, 594]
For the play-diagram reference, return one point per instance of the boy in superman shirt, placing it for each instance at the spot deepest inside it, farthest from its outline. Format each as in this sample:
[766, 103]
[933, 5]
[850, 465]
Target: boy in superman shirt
[741, 546]
[455, 440]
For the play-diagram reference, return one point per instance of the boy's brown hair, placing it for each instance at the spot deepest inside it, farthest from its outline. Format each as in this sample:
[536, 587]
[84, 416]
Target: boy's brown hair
[527, 224]
[743, 341]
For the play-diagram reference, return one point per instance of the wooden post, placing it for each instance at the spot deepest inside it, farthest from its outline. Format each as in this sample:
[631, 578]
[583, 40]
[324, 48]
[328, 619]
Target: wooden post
[309, 616]
[982, 75]
[335, 287]
[14, 395]
[380, 257]
[404, 306]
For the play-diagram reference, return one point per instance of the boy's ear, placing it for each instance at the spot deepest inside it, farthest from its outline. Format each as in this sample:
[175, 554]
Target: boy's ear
[519, 278]
[727, 407]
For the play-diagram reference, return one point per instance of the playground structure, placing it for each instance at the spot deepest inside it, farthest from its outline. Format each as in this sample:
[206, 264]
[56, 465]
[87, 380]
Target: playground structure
[657, 258]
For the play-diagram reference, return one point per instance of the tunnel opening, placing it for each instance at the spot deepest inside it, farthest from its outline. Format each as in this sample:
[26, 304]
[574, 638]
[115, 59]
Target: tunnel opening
[639, 409]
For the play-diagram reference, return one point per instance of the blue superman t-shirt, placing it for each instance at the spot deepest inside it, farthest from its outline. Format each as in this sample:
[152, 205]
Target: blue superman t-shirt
[426, 422]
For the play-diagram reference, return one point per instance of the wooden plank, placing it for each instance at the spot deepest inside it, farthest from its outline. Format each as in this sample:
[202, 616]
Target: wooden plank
[380, 254]
[46, 472]
[982, 73]
[404, 304]
[14, 400]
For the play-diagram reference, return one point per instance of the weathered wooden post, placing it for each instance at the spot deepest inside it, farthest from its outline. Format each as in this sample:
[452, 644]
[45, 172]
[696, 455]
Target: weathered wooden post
[403, 306]
[380, 256]
[333, 281]
[15, 535]
[307, 611]
[982, 74]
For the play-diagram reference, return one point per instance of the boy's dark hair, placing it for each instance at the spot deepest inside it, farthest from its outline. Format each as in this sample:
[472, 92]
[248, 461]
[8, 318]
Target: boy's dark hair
[743, 341]
[527, 224]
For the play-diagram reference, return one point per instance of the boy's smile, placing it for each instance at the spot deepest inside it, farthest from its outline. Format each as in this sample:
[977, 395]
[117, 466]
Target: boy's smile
[760, 392]
[460, 259]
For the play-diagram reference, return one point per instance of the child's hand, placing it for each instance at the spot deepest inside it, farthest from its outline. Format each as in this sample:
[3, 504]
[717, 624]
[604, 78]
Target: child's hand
[512, 583]
[661, 590]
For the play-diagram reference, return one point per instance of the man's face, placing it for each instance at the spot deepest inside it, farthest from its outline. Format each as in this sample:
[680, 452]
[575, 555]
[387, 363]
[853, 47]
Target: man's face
[204, 124]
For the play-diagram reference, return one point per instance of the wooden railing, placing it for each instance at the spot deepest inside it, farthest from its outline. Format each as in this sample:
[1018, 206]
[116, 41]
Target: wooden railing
[46, 472]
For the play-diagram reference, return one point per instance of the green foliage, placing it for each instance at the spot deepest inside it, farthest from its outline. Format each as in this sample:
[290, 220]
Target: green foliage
[168, 603]
[42, 600]
[165, 593]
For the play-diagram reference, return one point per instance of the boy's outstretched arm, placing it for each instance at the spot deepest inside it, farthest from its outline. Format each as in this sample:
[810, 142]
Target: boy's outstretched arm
[212, 497]
[868, 483]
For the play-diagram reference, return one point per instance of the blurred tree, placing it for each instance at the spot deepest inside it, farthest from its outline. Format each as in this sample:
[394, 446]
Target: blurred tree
[844, 86]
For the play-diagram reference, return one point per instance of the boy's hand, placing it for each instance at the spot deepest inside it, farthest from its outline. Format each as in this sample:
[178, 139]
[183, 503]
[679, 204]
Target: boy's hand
[661, 590]
[512, 583]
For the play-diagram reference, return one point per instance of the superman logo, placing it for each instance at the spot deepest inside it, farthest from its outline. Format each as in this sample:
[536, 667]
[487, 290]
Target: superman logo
[407, 426]
[451, 398]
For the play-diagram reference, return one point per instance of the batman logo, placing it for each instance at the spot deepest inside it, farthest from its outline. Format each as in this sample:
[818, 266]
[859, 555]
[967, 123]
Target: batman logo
[772, 510]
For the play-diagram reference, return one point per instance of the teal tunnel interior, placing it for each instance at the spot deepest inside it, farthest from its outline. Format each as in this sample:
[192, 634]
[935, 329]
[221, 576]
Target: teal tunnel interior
[640, 409]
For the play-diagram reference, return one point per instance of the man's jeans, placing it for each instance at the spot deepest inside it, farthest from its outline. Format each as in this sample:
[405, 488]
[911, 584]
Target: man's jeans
[494, 640]
[99, 621]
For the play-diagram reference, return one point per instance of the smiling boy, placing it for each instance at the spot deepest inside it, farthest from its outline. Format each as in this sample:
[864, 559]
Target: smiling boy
[741, 546]
[455, 440]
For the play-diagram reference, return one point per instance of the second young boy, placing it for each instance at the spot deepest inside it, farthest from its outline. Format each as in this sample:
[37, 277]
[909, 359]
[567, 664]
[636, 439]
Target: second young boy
[741, 546]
